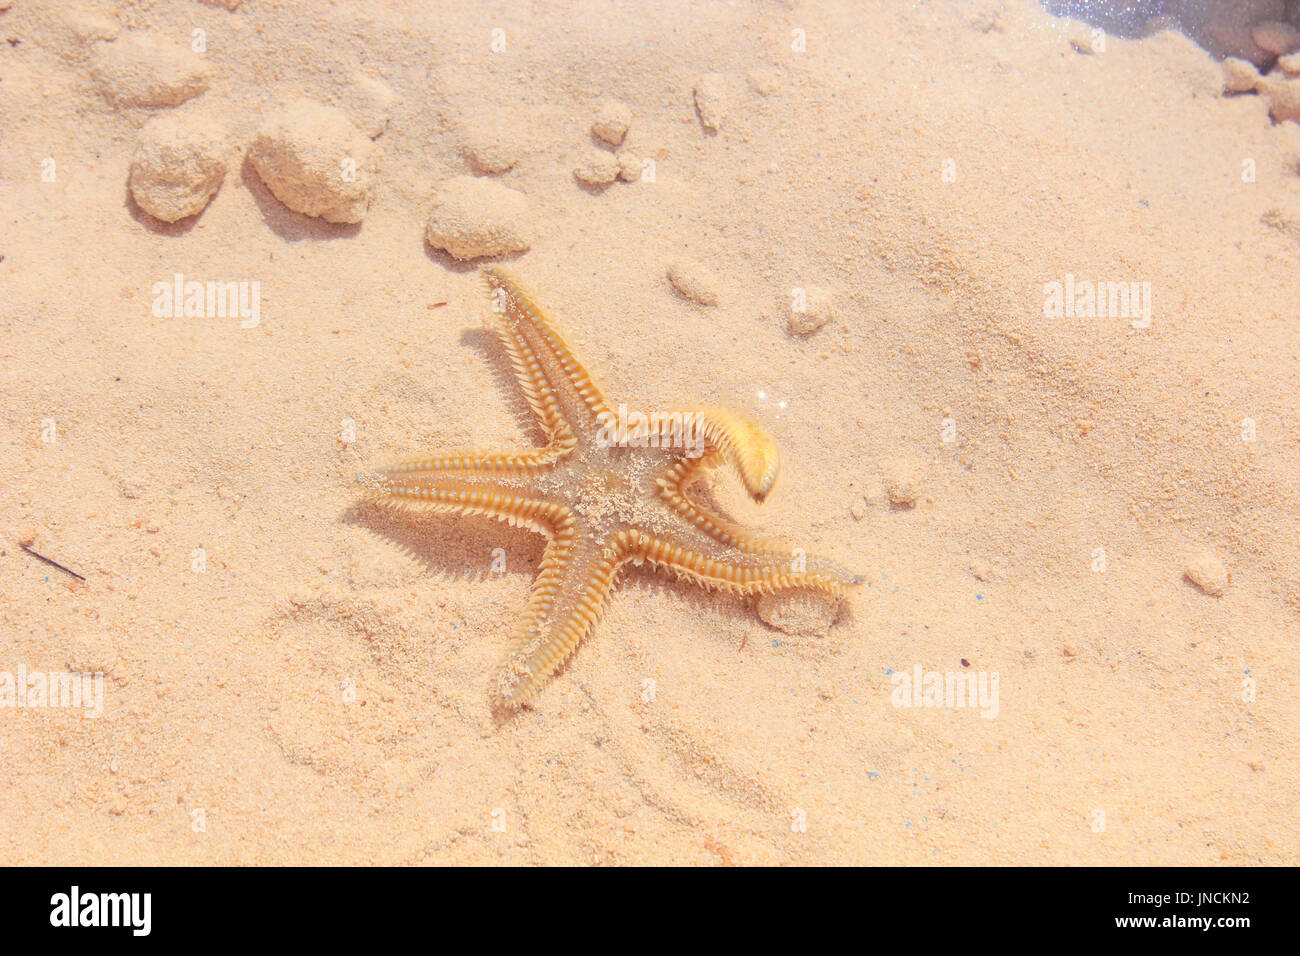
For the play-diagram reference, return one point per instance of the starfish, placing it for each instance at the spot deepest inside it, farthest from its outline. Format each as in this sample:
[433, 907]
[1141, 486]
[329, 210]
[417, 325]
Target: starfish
[606, 489]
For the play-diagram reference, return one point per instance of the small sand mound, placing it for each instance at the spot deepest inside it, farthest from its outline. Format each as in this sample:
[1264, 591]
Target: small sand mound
[490, 147]
[711, 100]
[473, 217]
[315, 161]
[596, 168]
[613, 119]
[694, 281]
[178, 166]
[1207, 572]
[811, 307]
[144, 70]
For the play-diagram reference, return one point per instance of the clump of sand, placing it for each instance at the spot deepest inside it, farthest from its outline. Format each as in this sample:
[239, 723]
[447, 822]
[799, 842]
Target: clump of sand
[314, 160]
[178, 165]
[472, 217]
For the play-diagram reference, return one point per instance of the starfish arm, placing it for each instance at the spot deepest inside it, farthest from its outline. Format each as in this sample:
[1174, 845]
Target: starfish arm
[578, 573]
[737, 440]
[497, 486]
[751, 568]
[558, 387]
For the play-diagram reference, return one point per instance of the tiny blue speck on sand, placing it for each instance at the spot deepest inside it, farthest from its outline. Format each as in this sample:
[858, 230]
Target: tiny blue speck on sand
[776, 643]
[872, 775]
[979, 597]
[888, 671]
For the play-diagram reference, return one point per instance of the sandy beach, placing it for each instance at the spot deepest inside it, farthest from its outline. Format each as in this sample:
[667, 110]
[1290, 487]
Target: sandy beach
[1014, 293]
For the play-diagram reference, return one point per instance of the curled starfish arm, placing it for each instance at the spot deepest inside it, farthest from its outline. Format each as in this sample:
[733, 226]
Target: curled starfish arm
[748, 569]
[559, 389]
[723, 436]
[567, 600]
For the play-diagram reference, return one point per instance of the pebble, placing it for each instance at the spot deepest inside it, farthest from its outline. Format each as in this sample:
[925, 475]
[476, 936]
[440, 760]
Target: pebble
[178, 166]
[902, 481]
[613, 119]
[491, 148]
[472, 217]
[711, 100]
[596, 168]
[629, 167]
[694, 281]
[144, 70]
[981, 569]
[1276, 36]
[816, 309]
[799, 611]
[1289, 64]
[1283, 97]
[1239, 75]
[316, 161]
[1206, 571]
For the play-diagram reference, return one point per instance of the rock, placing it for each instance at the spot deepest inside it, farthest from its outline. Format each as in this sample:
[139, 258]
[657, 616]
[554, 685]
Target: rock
[1289, 64]
[711, 100]
[1283, 97]
[143, 70]
[1224, 28]
[472, 217]
[613, 118]
[178, 166]
[1206, 571]
[315, 161]
[490, 147]
[596, 168]
[982, 570]
[1239, 75]
[810, 309]
[1275, 36]
[902, 481]
[629, 167]
[694, 281]
[799, 611]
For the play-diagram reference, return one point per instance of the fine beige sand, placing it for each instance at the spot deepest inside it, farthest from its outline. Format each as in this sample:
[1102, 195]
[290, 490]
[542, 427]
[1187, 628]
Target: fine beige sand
[1100, 512]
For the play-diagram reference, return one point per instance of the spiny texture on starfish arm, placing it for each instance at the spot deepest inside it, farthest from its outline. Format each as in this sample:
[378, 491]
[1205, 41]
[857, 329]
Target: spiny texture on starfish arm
[604, 498]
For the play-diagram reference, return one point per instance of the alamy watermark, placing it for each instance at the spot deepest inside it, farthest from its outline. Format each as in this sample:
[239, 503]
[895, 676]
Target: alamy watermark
[48, 689]
[191, 299]
[948, 689]
[624, 429]
[1074, 298]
